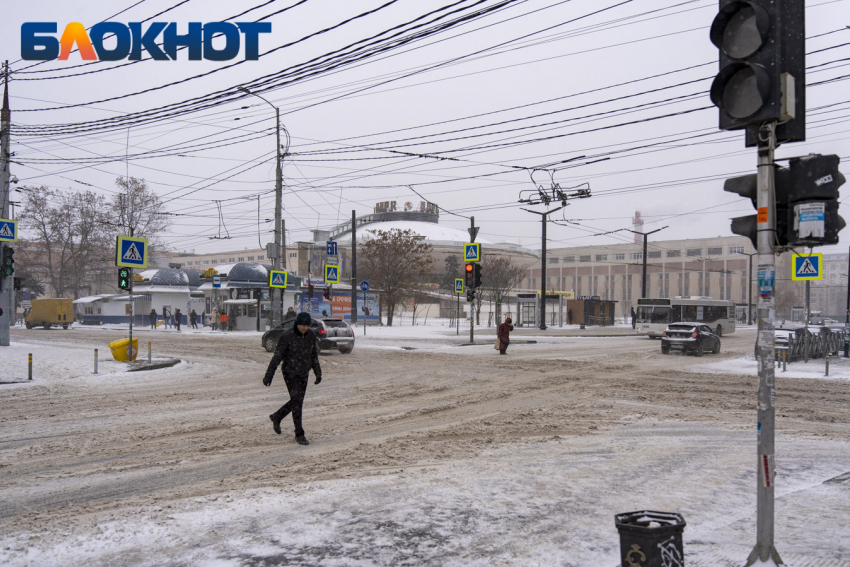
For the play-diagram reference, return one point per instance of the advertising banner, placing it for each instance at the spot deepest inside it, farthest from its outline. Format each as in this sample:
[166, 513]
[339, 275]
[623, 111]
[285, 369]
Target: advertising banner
[340, 306]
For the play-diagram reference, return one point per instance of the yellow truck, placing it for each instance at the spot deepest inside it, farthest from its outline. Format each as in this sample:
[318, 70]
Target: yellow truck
[49, 312]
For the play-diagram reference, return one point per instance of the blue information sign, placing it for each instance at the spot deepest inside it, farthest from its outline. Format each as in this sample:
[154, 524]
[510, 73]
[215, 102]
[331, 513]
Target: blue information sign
[331, 248]
[131, 252]
[364, 286]
[8, 230]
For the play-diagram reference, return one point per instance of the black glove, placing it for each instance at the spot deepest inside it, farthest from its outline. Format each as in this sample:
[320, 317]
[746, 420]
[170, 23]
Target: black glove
[318, 379]
[267, 379]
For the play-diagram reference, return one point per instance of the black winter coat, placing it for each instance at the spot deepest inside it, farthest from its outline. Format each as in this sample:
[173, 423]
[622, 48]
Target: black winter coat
[296, 354]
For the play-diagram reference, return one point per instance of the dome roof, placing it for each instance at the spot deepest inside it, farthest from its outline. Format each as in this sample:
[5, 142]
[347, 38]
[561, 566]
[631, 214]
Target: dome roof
[245, 272]
[168, 276]
[194, 277]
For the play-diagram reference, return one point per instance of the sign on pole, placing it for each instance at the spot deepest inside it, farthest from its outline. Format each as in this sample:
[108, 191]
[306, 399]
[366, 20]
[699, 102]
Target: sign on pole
[364, 285]
[216, 281]
[131, 252]
[331, 248]
[808, 267]
[472, 252]
[458, 285]
[8, 230]
[331, 274]
[277, 278]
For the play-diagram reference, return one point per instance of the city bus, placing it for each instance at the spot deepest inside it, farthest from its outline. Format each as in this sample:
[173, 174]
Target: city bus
[653, 315]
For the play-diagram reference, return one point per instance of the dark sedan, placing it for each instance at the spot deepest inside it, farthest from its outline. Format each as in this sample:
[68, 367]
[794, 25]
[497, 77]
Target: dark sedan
[333, 334]
[694, 338]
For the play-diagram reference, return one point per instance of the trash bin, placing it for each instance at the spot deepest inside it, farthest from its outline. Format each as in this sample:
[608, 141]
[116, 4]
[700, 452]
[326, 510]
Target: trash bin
[651, 539]
[119, 349]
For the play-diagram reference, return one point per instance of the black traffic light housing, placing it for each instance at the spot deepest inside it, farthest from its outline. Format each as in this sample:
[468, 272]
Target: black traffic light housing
[327, 293]
[470, 294]
[747, 186]
[812, 200]
[310, 291]
[476, 275]
[761, 76]
[468, 276]
[7, 268]
[123, 278]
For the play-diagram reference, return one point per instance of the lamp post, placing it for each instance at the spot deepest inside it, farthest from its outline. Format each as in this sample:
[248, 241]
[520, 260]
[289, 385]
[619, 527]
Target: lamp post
[278, 221]
[749, 287]
[643, 281]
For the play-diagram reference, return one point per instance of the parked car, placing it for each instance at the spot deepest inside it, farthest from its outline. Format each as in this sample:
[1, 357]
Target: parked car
[333, 334]
[694, 338]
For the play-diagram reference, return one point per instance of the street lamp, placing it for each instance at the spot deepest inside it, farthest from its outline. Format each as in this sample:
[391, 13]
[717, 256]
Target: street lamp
[645, 234]
[749, 287]
[278, 221]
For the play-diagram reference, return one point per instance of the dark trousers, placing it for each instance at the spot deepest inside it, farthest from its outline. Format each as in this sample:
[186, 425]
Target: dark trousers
[297, 389]
[505, 349]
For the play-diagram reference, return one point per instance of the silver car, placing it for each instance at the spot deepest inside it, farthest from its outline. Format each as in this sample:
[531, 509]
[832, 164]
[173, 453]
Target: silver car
[333, 334]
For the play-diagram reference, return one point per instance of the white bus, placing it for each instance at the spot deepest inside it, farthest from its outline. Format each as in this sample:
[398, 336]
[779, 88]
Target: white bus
[653, 315]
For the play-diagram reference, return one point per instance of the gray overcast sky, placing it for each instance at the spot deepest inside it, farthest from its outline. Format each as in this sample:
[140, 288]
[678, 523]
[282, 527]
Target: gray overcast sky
[496, 92]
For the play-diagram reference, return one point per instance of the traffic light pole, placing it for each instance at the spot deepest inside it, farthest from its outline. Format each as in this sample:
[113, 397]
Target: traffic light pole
[764, 549]
[5, 283]
[472, 303]
[847, 316]
[354, 271]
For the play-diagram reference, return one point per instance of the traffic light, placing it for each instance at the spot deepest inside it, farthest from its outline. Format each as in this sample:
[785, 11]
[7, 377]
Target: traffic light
[762, 66]
[476, 275]
[746, 186]
[470, 294]
[327, 293]
[8, 267]
[123, 278]
[813, 200]
[468, 276]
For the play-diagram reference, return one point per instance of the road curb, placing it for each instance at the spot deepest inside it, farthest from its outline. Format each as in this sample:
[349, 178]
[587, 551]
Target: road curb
[154, 365]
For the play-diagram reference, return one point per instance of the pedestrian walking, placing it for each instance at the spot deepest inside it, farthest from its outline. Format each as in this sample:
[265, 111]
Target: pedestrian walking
[214, 319]
[505, 335]
[290, 314]
[177, 318]
[634, 317]
[569, 316]
[153, 319]
[193, 319]
[165, 315]
[296, 353]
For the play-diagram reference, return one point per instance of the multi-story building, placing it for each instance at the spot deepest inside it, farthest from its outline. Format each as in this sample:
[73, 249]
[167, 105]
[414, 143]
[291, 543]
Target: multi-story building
[829, 295]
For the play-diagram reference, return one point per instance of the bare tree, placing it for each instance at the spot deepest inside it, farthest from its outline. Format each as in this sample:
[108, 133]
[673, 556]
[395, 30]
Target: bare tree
[138, 208]
[498, 277]
[396, 261]
[68, 239]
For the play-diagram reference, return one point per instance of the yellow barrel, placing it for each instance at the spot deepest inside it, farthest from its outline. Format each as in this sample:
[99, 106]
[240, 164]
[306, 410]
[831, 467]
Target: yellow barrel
[119, 349]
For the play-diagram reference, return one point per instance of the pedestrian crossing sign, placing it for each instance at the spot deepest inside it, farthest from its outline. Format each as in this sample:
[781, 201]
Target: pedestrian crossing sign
[808, 266]
[131, 252]
[472, 252]
[277, 278]
[331, 274]
[8, 230]
[458, 285]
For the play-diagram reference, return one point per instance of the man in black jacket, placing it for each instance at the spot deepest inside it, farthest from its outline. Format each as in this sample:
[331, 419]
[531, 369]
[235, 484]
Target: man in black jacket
[296, 353]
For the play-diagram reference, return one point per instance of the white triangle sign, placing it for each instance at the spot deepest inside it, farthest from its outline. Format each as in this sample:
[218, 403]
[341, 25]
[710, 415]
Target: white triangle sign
[278, 279]
[331, 274]
[807, 268]
[6, 231]
[132, 253]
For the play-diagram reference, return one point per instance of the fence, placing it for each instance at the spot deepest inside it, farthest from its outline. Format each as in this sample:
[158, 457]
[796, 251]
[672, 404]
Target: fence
[812, 345]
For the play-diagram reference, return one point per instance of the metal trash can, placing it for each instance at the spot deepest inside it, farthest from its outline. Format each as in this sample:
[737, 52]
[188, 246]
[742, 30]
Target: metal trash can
[651, 539]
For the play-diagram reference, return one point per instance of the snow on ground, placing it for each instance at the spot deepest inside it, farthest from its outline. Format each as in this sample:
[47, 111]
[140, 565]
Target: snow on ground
[546, 503]
[839, 368]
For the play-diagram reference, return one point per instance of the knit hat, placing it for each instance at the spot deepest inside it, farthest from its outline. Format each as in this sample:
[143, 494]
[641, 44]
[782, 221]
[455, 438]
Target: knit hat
[303, 319]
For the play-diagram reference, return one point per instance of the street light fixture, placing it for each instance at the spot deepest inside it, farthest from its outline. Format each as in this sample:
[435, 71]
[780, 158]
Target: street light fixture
[278, 221]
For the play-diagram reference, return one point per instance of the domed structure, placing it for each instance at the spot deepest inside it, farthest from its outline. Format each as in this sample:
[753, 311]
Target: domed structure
[244, 272]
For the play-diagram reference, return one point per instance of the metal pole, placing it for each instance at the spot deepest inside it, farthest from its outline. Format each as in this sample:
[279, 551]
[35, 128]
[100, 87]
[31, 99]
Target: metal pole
[457, 315]
[95, 361]
[808, 303]
[130, 344]
[278, 200]
[764, 549]
[750, 293]
[354, 271]
[643, 280]
[6, 285]
[826, 360]
[471, 303]
[29, 366]
[364, 315]
[149, 353]
[543, 278]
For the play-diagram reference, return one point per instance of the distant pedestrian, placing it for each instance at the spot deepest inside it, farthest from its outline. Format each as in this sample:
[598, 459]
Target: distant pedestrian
[165, 315]
[153, 319]
[634, 317]
[505, 335]
[296, 353]
[214, 319]
[177, 318]
[569, 316]
[193, 319]
[290, 314]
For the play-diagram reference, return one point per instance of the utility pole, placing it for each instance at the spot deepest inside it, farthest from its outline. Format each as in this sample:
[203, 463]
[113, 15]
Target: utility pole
[278, 205]
[354, 270]
[7, 285]
[544, 219]
[473, 232]
[750, 288]
[847, 316]
[643, 281]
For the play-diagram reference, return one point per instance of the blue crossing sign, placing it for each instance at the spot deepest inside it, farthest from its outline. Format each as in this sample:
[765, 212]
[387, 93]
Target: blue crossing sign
[808, 267]
[331, 274]
[8, 230]
[472, 252]
[131, 252]
[458, 285]
[277, 278]
[331, 248]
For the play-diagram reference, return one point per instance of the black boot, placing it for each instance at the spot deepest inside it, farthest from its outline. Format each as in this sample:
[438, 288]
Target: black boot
[275, 424]
[302, 440]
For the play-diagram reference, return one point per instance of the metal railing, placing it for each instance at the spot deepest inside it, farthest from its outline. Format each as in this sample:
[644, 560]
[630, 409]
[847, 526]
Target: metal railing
[812, 345]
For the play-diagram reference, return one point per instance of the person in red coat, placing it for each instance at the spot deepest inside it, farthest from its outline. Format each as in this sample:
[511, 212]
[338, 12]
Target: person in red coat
[505, 335]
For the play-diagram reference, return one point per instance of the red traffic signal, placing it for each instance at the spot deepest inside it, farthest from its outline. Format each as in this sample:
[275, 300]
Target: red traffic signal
[469, 276]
